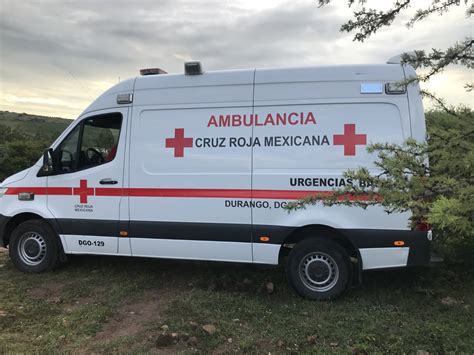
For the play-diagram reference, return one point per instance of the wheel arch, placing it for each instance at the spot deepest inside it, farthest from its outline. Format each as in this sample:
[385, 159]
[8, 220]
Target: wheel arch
[20, 218]
[319, 231]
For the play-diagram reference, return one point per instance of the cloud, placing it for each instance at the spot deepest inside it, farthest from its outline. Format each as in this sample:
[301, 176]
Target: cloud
[71, 51]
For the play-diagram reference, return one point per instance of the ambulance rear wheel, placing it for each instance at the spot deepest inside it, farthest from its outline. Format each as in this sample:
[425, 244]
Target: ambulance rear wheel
[34, 247]
[318, 269]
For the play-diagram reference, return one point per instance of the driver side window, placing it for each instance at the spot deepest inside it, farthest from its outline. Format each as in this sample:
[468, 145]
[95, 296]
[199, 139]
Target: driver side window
[91, 143]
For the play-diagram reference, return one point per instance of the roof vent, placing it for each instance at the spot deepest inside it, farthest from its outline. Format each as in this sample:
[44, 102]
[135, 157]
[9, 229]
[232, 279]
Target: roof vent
[193, 68]
[152, 71]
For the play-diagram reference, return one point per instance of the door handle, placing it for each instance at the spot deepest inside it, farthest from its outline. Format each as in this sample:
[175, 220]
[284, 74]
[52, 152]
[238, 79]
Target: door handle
[108, 181]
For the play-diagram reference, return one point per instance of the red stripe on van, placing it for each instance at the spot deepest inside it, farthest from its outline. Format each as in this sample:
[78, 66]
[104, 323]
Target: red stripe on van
[234, 193]
[34, 190]
[287, 194]
[189, 193]
[102, 191]
[202, 193]
[60, 191]
[57, 191]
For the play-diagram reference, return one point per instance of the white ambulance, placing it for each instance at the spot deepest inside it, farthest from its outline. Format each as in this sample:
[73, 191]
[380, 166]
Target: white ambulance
[200, 166]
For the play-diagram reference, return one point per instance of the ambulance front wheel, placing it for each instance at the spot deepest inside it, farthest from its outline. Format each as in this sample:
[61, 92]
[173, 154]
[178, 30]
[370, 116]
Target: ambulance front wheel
[318, 269]
[34, 247]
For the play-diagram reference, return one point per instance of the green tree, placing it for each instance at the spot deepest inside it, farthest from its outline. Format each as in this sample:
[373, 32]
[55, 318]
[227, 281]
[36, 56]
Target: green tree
[19, 151]
[18, 155]
[440, 192]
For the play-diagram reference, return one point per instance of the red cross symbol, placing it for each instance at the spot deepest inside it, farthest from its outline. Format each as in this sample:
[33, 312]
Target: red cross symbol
[83, 191]
[350, 139]
[179, 142]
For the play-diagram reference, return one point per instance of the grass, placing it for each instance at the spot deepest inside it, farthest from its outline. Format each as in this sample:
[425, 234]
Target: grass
[112, 304]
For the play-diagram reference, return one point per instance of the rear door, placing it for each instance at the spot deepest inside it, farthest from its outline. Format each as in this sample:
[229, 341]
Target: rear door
[85, 192]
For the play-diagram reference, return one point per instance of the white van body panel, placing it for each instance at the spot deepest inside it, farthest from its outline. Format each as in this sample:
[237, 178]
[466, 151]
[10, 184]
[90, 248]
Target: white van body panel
[162, 107]
[205, 164]
[11, 206]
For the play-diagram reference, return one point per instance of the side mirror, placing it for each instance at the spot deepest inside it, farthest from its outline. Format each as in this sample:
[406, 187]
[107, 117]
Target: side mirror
[47, 167]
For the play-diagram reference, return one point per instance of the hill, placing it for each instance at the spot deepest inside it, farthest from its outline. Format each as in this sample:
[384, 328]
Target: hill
[33, 124]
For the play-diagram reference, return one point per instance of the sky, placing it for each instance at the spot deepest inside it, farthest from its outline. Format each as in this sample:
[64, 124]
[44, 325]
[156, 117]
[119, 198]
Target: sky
[57, 56]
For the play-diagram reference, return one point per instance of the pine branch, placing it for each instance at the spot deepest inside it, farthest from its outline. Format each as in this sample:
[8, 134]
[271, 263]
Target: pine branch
[440, 102]
[437, 61]
[321, 3]
[440, 9]
[368, 21]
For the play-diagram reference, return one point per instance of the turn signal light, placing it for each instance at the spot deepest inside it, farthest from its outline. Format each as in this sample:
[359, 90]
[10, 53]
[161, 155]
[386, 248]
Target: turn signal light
[399, 243]
[264, 239]
[123, 233]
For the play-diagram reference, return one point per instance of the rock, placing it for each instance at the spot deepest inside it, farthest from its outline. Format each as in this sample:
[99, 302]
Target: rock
[193, 324]
[236, 320]
[164, 340]
[269, 287]
[165, 327]
[209, 328]
[448, 301]
[312, 339]
[280, 343]
[230, 340]
[3, 313]
[192, 341]
[334, 344]
[174, 335]
[422, 352]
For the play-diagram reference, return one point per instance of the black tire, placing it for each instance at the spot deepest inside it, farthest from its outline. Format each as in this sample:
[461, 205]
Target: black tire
[34, 247]
[318, 269]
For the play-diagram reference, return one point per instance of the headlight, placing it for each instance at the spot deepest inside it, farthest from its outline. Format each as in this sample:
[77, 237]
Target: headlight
[3, 191]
